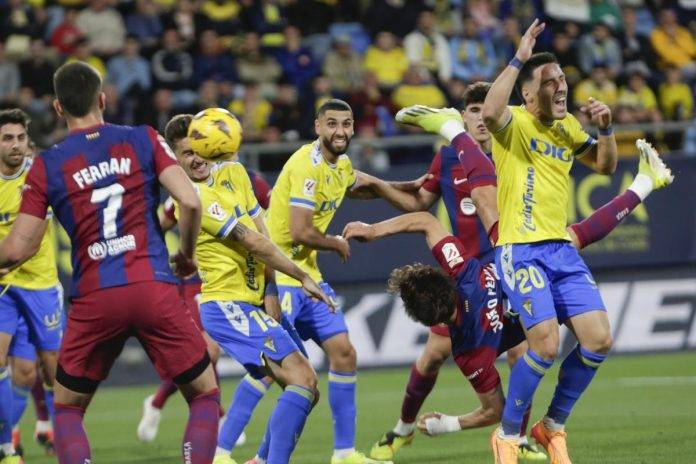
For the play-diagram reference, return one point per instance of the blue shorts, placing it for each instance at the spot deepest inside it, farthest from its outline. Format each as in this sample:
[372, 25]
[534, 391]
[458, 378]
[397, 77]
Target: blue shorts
[246, 333]
[312, 319]
[20, 346]
[546, 280]
[42, 311]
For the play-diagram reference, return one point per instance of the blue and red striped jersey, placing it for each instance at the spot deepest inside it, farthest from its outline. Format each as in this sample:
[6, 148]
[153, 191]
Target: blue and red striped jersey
[101, 183]
[262, 189]
[453, 181]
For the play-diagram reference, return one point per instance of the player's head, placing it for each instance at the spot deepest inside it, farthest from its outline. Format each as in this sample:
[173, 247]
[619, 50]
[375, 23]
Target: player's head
[334, 125]
[176, 136]
[14, 141]
[428, 294]
[474, 96]
[78, 88]
[543, 87]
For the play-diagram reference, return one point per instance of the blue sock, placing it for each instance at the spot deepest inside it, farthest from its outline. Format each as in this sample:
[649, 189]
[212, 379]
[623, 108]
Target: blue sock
[343, 410]
[245, 398]
[524, 380]
[20, 397]
[576, 373]
[287, 422]
[48, 394]
[5, 406]
[266, 442]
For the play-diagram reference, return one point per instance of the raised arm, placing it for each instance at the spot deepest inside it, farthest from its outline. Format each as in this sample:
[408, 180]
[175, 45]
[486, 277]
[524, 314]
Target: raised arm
[302, 231]
[495, 108]
[422, 222]
[603, 156]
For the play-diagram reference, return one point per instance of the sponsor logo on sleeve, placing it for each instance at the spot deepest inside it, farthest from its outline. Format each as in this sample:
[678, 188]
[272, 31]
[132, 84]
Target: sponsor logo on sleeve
[452, 255]
[216, 212]
[309, 187]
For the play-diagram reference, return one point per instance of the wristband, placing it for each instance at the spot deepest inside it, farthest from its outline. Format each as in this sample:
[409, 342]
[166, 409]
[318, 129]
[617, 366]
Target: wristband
[516, 63]
[271, 289]
[608, 131]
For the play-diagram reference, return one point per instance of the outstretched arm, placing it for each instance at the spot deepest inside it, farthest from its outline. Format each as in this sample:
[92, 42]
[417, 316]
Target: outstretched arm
[302, 231]
[23, 241]
[422, 222]
[407, 196]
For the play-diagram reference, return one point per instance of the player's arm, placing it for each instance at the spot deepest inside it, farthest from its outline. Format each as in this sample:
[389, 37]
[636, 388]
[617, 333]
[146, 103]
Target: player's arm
[23, 241]
[407, 196]
[302, 231]
[602, 157]
[270, 299]
[166, 216]
[488, 413]
[496, 113]
[422, 222]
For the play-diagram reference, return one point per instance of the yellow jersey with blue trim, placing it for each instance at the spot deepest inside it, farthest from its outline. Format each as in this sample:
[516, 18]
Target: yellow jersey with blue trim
[228, 271]
[40, 271]
[532, 163]
[307, 181]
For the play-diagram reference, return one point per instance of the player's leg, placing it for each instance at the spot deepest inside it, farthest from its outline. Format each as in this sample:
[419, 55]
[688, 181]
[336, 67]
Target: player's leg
[43, 431]
[9, 319]
[421, 381]
[246, 396]
[23, 367]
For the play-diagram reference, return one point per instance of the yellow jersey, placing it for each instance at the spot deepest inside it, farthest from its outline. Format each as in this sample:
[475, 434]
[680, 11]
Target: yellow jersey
[228, 271]
[40, 271]
[307, 181]
[532, 162]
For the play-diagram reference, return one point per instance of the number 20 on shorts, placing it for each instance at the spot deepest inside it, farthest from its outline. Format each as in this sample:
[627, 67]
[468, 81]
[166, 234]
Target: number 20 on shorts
[529, 275]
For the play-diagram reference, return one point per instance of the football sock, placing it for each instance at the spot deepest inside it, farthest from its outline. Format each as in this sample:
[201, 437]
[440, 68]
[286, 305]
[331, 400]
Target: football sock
[48, 395]
[605, 219]
[6, 400]
[577, 371]
[525, 420]
[342, 403]
[465, 146]
[451, 129]
[287, 422]
[524, 380]
[245, 398]
[417, 390]
[20, 397]
[37, 393]
[70, 439]
[404, 429]
[265, 443]
[642, 186]
[165, 390]
[200, 435]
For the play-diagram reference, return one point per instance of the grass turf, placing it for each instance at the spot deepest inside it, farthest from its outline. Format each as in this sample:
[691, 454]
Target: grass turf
[639, 409]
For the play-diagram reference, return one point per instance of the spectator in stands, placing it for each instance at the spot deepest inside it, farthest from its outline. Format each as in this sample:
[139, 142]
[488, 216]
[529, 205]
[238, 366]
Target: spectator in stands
[65, 36]
[381, 13]
[343, 67]
[42, 118]
[369, 102]
[103, 26]
[386, 60]
[255, 67]
[507, 43]
[473, 55]
[35, 69]
[565, 50]
[639, 97]
[298, 63]
[160, 111]
[676, 99]
[286, 112]
[129, 71]
[208, 96]
[455, 91]
[172, 66]
[222, 15]
[212, 61]
[626, 139]
[674, 44]
[598, 86]
[524, 11]
[481, 12]
[600, 46]
[145, 25]
[253, 112]
[310, 16]
[116, 112]
[417, 88]
[605, 12]
[426, 47]
[186, 20]
[10, 79]
[83, 52]
[19, 23]
[370, 158]
[262, 17]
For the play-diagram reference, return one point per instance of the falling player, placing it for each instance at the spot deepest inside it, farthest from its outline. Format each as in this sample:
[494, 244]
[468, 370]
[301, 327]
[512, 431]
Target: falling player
[102, 182]
[31, 301]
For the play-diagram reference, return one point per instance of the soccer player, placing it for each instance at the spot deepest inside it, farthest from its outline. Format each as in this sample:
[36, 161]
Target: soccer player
[30, 296]
[452, 181]
[479, 329]
[544, 277]
[102, 182]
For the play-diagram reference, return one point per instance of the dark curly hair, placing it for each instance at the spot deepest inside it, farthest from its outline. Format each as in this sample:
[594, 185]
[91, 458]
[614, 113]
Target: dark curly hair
[476, 93]
[428, 294]
[177, 128]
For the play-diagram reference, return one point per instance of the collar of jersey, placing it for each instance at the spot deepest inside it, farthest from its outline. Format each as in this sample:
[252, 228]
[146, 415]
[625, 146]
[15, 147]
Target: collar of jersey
[85, 130]
[21, 170]
[317, 149]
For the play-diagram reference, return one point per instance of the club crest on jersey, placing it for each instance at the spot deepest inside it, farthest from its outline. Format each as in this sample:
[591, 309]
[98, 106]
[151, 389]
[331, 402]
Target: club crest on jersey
[545, 148]
[452, 255]
[216, 212]
[309, 187]
[227, 184]
[268, 343]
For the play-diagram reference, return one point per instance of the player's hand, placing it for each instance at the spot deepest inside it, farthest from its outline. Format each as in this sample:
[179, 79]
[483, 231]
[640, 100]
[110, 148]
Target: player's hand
[528, 40]
[597, 112]
[272, 306]
[414, 185]
[342, 248]
[360, 231]
[435, 423]
[421, 423]
[184, 266]
[315, 291]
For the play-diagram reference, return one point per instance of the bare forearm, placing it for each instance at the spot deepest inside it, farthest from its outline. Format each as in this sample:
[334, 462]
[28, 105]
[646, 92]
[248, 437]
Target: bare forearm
[479, 417]
[408, 201]
[270, 254]
[189, 225]
[314, 238]
[495, 105]
[607, 154]
[422, 222]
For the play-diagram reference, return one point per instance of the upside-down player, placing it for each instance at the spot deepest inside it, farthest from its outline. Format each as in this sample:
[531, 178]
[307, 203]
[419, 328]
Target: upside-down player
[31, 300]
[103, 184]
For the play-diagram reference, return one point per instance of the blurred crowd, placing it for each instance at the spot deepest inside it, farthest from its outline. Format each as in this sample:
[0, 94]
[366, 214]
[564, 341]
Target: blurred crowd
[272, 62]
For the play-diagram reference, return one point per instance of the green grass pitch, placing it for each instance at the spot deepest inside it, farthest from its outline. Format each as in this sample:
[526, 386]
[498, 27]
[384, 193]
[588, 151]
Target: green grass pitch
[639, 409]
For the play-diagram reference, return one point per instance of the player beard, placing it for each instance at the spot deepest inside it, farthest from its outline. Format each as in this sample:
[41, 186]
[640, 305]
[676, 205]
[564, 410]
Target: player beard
[13, 158]
[329, 145]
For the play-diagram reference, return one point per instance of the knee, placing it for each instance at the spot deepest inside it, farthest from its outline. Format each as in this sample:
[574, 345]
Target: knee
[546, 349]
[24, 375]
[344, 357]
[601, 345]
[307, 378]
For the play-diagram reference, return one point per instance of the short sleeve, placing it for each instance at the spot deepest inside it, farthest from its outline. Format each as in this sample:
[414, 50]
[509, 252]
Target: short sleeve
[34, 198]
[504, 134]
[450, 254]
[303, 188]
[581, 140]
[432, 185]
[215, 220]
[352, 177]
[162, 153]
[252, 204]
